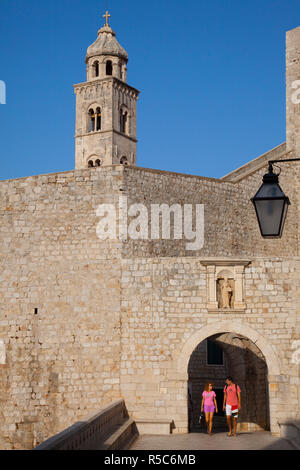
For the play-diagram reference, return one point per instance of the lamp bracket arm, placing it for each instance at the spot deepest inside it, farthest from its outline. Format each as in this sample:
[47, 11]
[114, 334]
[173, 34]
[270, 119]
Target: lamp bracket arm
[283, 161]
[272, 162]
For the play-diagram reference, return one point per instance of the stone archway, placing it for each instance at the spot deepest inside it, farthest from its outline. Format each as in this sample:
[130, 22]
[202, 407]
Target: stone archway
[247, 332]
[220, 356]
[239, 328]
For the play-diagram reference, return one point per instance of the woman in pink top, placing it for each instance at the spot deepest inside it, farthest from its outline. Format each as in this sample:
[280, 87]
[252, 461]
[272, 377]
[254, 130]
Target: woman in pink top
[209, 405]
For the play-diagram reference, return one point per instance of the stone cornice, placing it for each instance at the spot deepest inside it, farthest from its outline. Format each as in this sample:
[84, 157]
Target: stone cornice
[106, 132]
[228, 311]
[125, 135]
[125, 85]
[114, 80]
[225, 262]
[175, 174]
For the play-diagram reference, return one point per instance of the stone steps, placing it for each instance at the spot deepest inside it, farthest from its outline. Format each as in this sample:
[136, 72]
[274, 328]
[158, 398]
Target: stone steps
[154, 426]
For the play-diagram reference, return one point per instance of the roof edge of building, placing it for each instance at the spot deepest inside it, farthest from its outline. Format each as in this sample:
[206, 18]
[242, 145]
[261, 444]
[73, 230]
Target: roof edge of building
[256, 164]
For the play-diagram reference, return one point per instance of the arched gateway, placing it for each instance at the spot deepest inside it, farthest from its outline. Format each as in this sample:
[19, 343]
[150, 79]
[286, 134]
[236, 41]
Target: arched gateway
[243, 346]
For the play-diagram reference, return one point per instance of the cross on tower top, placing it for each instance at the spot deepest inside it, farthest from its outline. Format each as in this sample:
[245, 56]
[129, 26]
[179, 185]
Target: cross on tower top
[106, 16]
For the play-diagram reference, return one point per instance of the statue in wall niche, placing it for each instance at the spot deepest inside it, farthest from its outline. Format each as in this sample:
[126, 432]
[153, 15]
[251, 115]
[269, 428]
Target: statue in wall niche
[225, 293]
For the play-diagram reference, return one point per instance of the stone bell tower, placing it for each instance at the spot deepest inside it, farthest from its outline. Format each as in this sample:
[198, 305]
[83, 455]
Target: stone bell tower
[106, 106]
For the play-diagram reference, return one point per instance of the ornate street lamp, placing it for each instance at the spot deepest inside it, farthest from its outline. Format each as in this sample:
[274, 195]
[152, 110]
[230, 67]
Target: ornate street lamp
[271, 204]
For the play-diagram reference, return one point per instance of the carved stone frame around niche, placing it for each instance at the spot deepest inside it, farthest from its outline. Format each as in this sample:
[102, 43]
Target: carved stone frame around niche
[234, 269]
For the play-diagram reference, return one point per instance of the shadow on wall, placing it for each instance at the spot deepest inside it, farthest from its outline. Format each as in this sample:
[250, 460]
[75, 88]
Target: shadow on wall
[234, 355]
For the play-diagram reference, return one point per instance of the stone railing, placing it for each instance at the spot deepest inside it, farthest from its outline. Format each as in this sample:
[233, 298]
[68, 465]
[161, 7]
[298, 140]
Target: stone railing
[110, 428]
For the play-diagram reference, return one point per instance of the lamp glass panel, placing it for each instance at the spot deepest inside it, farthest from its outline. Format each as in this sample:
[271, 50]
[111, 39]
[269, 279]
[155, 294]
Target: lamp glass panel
[269, 214]
[284, 216]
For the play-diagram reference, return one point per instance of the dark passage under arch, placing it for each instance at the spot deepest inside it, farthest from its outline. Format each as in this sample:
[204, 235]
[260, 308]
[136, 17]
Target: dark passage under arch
[214, 359]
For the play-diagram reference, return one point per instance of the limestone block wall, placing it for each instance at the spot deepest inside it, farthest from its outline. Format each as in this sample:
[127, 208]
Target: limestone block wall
[292, 91]
[60, 304]
[164, 318]
[289, 181]
[231, 227]
[86, 321]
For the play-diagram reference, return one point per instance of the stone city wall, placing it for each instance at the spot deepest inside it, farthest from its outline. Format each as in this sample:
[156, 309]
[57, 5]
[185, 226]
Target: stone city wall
[86, 321]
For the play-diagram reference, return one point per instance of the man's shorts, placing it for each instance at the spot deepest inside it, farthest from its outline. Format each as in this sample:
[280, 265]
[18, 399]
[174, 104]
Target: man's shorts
[232, 411]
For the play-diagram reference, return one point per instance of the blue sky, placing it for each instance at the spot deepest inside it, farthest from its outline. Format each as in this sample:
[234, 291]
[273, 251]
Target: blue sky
[211, 75]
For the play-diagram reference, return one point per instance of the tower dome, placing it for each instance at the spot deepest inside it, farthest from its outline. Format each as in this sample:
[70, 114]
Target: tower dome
[106, 44]
[105, 56]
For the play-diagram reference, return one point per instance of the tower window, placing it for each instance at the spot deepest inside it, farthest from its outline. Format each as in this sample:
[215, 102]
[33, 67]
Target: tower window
[92, 120]
[109, 67]
[98, 119]
[124, 121]
[94, 161]
[96, 69]
[124, 161]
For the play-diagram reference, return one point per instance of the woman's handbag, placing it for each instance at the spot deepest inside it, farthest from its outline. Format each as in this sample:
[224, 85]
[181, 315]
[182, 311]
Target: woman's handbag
[201, 418]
